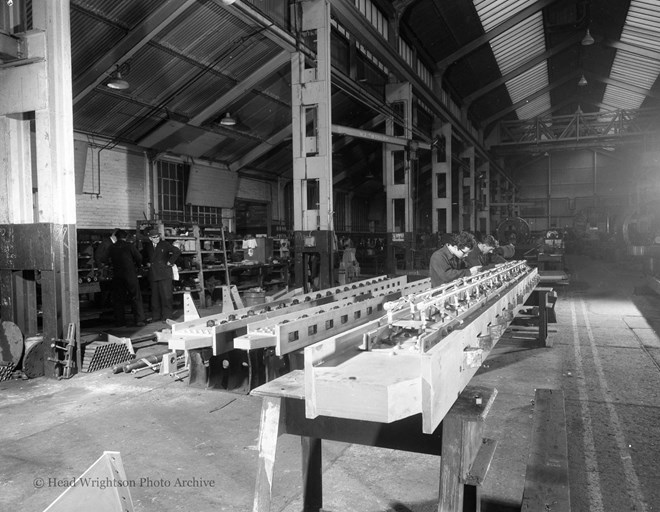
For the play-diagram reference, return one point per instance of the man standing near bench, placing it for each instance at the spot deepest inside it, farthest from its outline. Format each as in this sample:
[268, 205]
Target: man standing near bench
[161, 256]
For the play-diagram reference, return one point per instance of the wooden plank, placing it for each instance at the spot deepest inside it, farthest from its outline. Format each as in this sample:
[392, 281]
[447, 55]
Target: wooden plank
[7, 294]
[26, 246]
[336, 349]
[312, 474]
[254, 341]
[369, 386]
[24, 88]
[546, 479]
[462, 430]
[66, 240]
[188, 342]
[290, 385]
[444, 374]
[451, 488]
[343, 379]
[481, 463]
[16, 203]
[49, 306]
[296, 335]
[271, 427]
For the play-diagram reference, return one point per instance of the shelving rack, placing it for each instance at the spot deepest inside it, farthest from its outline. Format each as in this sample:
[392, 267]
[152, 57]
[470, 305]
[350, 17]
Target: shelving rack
[202, 261]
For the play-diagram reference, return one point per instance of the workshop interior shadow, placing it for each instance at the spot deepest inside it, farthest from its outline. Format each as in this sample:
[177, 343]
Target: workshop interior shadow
[432, 506]
[512, 348]
[647, 301]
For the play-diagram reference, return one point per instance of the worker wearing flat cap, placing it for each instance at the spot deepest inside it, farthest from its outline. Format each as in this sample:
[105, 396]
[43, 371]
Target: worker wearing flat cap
[446, 263]
[160, 257]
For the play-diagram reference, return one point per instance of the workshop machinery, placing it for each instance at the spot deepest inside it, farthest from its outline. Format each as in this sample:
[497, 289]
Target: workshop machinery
[640, 230]
[420, 354]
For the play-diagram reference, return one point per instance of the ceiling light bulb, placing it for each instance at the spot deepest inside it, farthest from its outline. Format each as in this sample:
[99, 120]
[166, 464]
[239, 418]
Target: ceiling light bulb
[587, 40]
[228, 120]
[582, 81]
[118, 83]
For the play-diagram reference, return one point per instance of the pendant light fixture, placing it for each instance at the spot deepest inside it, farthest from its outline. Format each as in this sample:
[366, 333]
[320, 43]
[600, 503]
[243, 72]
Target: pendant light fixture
[117, 82]
[582, 82]
[587, 40]
[228, 120]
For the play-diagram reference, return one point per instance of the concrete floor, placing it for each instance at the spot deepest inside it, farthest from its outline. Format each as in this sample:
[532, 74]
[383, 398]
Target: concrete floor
[606, 358]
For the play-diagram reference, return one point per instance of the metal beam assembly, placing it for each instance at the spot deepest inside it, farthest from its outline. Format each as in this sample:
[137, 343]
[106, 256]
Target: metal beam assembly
[218, 331]
[577, 130]
[296, 330]
[420, 355]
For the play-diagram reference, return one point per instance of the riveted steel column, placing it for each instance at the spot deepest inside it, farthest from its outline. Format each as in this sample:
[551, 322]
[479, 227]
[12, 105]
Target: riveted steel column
[466, 205]
[312, 148]
[397, 163]
[483, 198]
[441, 182]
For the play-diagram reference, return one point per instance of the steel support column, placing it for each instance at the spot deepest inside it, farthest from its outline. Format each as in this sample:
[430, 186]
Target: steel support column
[441, 181]
[312, 151]
[397, 163]
[483, 197]
[466, 177]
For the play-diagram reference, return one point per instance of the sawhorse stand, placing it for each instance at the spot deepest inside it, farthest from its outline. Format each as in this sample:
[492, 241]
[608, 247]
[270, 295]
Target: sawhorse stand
[466, 456]
[231, 299]
[542, 300]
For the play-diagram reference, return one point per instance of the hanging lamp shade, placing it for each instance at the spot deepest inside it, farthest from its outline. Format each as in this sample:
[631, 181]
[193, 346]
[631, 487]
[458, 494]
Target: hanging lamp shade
[118, 83]
[228, 120]
[582, 82]
[228, 2]
[587, 40]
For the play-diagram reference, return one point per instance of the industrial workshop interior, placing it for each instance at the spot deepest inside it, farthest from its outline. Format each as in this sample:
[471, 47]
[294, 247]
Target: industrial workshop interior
[329, 255]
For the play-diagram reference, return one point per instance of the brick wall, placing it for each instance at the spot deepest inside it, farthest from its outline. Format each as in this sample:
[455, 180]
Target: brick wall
[124, 195]
[121, 197]
[256, 190]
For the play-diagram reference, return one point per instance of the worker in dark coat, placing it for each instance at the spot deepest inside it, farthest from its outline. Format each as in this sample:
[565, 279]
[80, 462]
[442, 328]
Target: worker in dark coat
[446, 263]
[125, 260]
[102, 251]
[483, 253]
[160, 257]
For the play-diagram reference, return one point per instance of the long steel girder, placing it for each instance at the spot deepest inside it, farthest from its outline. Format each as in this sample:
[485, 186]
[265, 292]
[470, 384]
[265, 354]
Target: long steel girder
[579, 130]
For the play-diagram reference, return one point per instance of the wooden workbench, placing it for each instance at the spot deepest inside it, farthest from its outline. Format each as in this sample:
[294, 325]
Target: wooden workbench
[465, 454]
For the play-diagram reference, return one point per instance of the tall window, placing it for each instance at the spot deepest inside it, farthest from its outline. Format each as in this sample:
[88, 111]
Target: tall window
[171, 189]
[172, 184]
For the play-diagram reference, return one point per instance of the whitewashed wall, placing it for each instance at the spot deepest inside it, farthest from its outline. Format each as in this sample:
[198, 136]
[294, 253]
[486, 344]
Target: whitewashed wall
[125, 196]
[121, 197]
